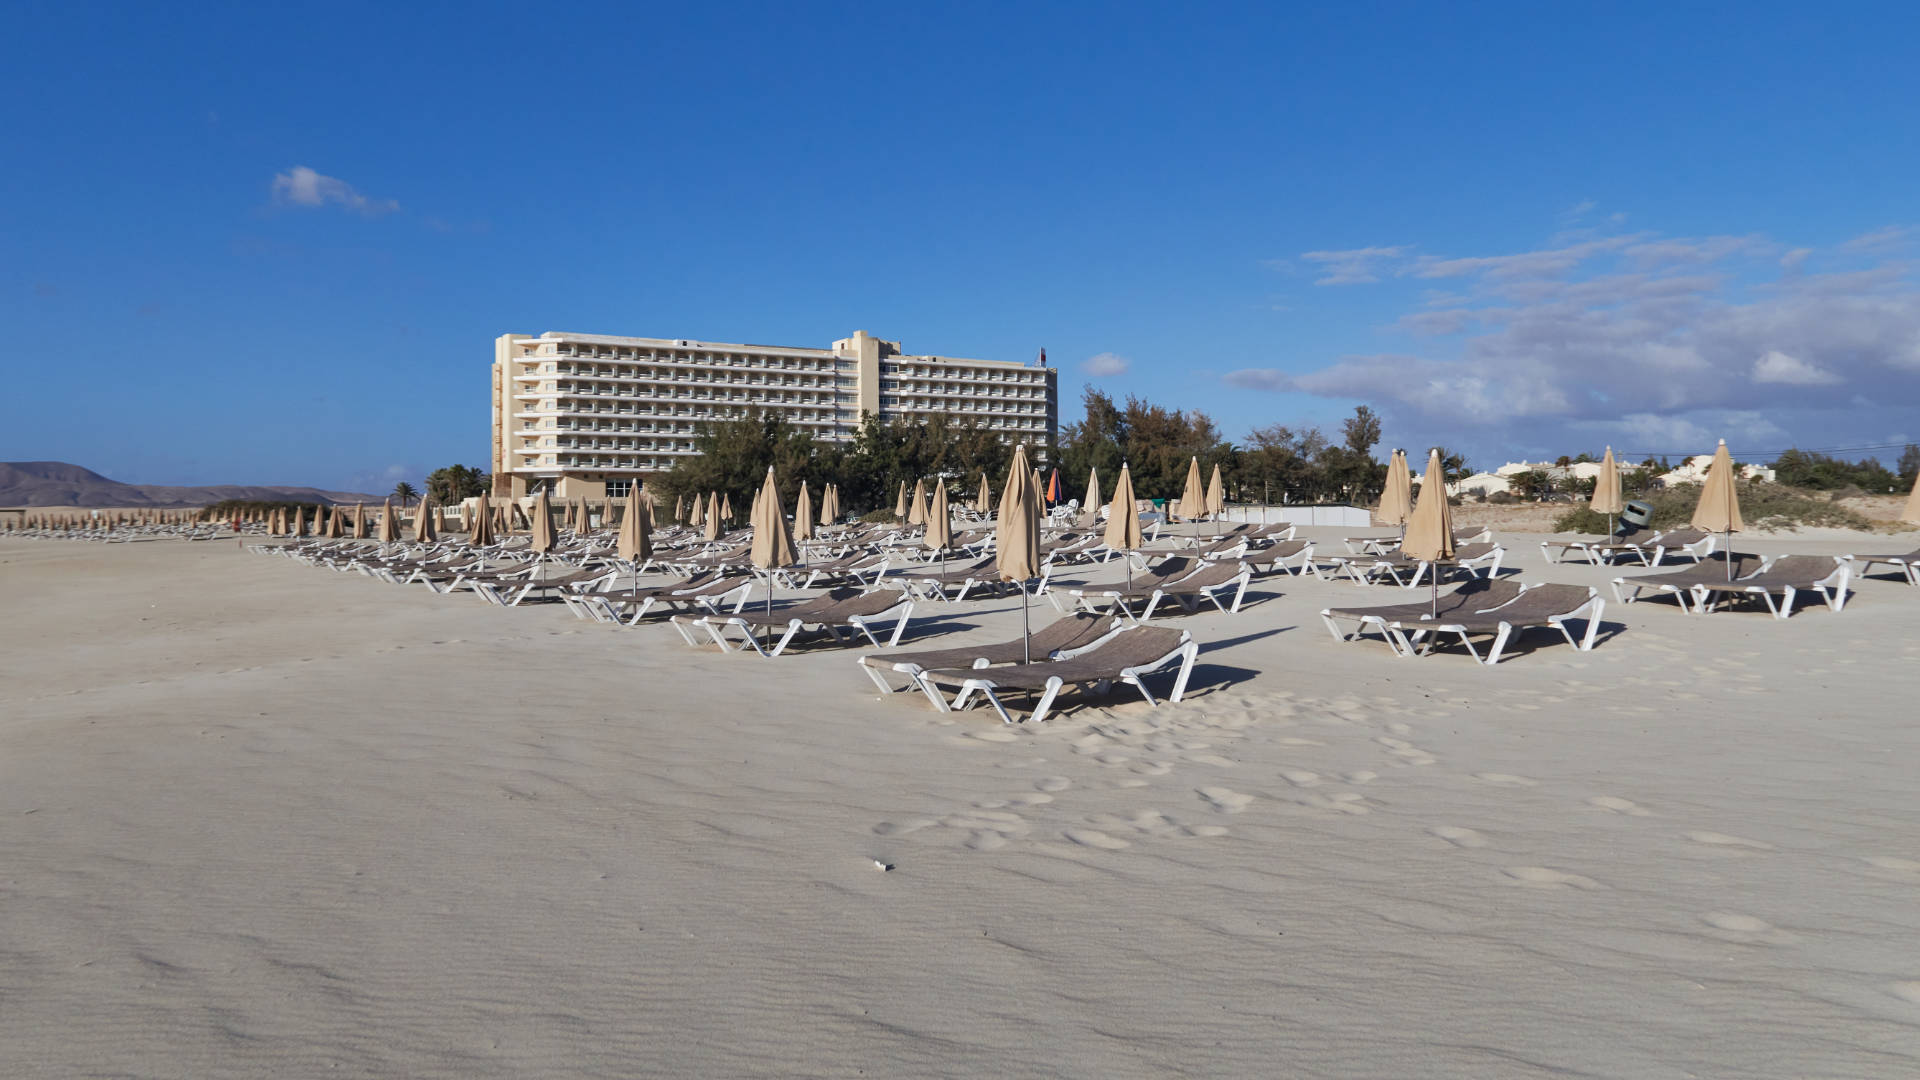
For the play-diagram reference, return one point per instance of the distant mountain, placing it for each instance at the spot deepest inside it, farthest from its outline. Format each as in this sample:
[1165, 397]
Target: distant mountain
[56, 483]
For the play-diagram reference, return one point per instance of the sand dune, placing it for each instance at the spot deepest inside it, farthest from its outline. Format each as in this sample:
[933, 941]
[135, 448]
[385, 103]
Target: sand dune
[261, 818]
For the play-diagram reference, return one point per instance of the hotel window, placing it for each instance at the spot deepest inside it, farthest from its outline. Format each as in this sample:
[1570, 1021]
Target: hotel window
[619, 489]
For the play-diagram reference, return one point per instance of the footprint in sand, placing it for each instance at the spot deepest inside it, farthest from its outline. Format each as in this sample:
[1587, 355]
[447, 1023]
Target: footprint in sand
[1204, 830]
[1459, 837]
[1362, 777]
[1541, 877]
[1400, 729]
[1889, 862]
[986, 841]
[1021, 802]
[1906, 991]
[1052, 783]
[1300, 777]
[1225, 801]
[1094, 838]
[1613, 805]
[1714, 839]
[1505, 779]
[902, 828]
[1738, 924]
[1152, 768]
[993, 735]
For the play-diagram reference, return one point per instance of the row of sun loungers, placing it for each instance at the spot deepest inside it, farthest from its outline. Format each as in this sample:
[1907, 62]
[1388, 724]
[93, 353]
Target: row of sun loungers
[1774, 581]
[1500, 608]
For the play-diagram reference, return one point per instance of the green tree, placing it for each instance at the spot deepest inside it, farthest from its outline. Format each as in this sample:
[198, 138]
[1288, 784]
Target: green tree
[456, 482]
[1909, 465]
[405, 492]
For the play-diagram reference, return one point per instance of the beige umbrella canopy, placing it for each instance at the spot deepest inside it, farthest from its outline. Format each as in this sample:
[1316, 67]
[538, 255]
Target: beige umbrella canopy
[773, 547]
[480, 532]
[1193, 501]
[1429, 536]
[984, 501]
[336, 524]
[726, 510]
[1396, 499]
[939, 521]
[680, 509]
[1719, 508]
[830, 505]
[425, 528]
[917, 509]
[1090, 508]
[389, 525]
[1606, 490]
[1017, 537]
[1216, 495]
[544, 537]
[1123, 522]
[900, 506]
[359, 522]
[297, 526]
[713, 517]
[1911, 515]
[635, 542]
[803, 516]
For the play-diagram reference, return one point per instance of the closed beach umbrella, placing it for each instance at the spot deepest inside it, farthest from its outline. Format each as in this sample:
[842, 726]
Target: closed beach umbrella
[830, 505]
[1606, 490]
[803, 516]
[389, 525]
[985, 503]
[299, 528]
[1719, 509]
[917, 509]
[359, 522]
[772, 545]
[1193, 500]
[900, 505]
[1216, 495]
[1017, 538]
[1053, 486]
[680, 509]
[1429, 536]
[726, 510]
[1090, 507]
[713, 517]
[939, 523]
[336, 524]
[544, 537]
[1123, 522]
[480, 531]
[1396, 499]
[1911, 515]
[425, 530]
[635, 542]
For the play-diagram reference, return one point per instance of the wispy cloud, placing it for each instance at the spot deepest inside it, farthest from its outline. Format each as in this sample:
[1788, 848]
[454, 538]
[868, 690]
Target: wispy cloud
[1639, 338]
[1106, 364]
[301, 186]
[1357, 266]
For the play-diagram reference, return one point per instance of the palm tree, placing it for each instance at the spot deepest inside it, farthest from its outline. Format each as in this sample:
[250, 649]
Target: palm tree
[405, 492]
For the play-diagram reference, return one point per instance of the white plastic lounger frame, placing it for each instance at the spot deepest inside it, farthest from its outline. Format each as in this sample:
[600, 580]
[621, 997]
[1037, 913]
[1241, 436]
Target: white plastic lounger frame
[1135, 677]
[1411, 633]
[716, 628]
[1832, 590]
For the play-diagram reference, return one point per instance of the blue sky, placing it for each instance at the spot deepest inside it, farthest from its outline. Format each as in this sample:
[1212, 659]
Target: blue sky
[274, 244]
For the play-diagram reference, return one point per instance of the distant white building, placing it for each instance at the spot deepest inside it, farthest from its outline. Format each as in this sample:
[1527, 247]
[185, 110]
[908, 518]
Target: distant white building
[1694, 471]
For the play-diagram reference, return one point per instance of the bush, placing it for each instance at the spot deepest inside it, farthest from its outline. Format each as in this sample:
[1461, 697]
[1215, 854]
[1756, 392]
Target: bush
[1764, 507]
[1502, 498]
[884, 516]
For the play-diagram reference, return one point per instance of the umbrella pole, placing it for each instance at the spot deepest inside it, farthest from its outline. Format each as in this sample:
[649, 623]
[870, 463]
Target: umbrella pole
[1026, 633]
[769, 608]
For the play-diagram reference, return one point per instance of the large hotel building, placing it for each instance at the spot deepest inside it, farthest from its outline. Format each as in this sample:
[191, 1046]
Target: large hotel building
[590, 414]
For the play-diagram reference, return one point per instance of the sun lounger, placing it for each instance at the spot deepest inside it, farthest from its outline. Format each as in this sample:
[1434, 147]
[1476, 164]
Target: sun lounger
[1908, 565]
[710, 593]
[1064, 637]
[839, 613]
[1293, 557]
[1826, 575]
[1210, 582]
[1540, 606]
[968, 577]
[1127, 657]
[1679, 583]
[1407, 573]
[1477, 594]
[1141, 586]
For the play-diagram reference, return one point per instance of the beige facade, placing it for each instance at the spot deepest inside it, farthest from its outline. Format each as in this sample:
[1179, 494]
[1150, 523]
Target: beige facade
[590, 414]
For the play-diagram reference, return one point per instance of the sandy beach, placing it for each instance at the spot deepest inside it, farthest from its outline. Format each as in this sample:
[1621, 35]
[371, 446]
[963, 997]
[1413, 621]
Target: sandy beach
[258, 818]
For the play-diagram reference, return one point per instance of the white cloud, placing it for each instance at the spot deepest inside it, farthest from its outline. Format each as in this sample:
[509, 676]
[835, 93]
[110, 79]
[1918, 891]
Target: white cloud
[301, 186]
[1356, 266]
[1778, 367]
[1885, 238]
[1103, 365]
[1642, 339]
